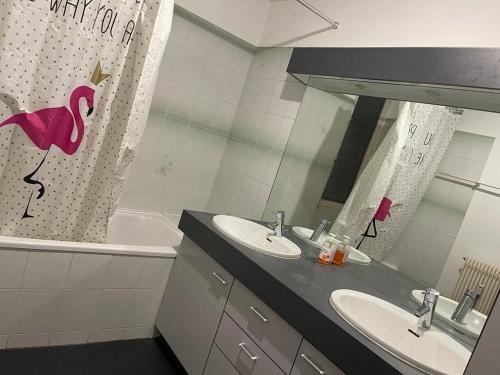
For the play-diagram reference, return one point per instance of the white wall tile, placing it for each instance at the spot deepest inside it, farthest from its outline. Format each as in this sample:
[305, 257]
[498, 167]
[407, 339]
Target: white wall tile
[180, 30]
[224, 117]
[156, 273]
[12, 265]
[145, 307]
[215, 146]
[124, 272]
[35, 311]
[8, 299]
[113, 308]
[46, 270]
[205, 110]
[136, 332]
[213, 79]
[3, 341]
[88, 271]
[180, 99]
[104, 335]
[232, 87]
[68, 338]
[155, 133]
[28, 340]
[77, 310]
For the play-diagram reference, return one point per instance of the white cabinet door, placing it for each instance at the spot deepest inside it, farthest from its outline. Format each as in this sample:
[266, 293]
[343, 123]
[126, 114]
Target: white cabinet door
[193, 304]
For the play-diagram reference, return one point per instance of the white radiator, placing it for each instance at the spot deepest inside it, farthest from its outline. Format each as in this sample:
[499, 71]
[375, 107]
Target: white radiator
[473, 274]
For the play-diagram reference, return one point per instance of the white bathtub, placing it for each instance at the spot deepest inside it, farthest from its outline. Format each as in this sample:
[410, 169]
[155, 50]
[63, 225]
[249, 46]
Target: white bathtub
[65, 293]
[129, 233]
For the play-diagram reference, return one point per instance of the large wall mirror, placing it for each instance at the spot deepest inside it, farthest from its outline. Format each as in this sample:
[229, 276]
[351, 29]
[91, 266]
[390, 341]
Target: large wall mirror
[421, 199]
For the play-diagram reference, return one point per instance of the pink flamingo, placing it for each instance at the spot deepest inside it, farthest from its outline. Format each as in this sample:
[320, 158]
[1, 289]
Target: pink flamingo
[54, 126]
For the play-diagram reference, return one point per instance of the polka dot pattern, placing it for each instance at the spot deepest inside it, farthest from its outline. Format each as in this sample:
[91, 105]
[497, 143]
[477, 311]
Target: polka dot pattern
[401, 169]
[44, 56]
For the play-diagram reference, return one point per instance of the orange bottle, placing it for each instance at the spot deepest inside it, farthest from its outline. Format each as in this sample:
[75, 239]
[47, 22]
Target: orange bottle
[341, 252]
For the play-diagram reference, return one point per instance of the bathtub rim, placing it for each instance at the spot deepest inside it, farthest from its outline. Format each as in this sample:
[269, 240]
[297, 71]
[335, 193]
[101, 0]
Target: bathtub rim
[21, 243]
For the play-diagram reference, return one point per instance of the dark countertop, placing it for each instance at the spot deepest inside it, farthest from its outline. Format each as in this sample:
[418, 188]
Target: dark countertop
[299, 291]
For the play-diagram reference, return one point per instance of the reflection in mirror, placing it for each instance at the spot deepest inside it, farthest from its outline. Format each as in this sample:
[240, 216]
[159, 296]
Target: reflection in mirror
[421, 201]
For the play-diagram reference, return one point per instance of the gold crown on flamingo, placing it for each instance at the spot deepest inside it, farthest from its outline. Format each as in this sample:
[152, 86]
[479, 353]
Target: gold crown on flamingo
[98, 76]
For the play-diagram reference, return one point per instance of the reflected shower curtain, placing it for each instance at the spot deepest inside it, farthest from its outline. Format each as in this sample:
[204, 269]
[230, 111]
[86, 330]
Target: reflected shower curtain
[76, 82]
[401, 169]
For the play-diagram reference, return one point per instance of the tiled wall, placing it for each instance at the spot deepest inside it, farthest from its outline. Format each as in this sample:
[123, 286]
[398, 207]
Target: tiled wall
[264, 119]
[313, 146]
[61, 298]
[425, 245]
[197, 93]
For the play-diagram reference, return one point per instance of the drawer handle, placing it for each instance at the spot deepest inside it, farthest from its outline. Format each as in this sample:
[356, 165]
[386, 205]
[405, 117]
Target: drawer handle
[257, 312]
[313, 365]
[218, 277]
[247, 352]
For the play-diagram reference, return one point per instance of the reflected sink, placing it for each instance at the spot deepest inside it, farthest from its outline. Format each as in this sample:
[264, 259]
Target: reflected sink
[388, 326]
[355, 256]
[472, 324]
[256, 237]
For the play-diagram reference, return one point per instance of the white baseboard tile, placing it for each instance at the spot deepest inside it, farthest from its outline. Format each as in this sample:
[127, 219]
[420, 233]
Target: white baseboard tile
[28, 340]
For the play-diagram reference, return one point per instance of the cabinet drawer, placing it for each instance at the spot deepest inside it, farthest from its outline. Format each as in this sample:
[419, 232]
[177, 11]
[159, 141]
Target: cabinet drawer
[218, 364]
[242, 352]
[275, 336]
[311, 362]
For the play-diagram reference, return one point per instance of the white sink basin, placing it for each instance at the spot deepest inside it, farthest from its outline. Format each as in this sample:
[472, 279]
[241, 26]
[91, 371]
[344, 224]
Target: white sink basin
[472, 324]
[256, 237]
[387, 326]
[355, 256]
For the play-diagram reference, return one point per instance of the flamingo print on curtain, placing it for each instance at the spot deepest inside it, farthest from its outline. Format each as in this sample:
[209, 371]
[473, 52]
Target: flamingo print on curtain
[75, 87]
[399, 173]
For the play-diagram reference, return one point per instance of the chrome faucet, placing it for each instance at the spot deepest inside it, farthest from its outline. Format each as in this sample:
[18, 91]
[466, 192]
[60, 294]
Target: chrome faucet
[466, 304]
[425, 313]
[319, 229]
[277, 226]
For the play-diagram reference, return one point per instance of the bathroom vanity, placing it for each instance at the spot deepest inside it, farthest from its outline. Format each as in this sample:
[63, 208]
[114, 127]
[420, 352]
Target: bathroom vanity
[230, 310]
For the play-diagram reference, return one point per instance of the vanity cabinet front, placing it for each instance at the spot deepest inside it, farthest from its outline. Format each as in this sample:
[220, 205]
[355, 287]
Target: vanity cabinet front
[218, 364]
[269, 330]
[310, 361]
[193, 304]
[244, 354]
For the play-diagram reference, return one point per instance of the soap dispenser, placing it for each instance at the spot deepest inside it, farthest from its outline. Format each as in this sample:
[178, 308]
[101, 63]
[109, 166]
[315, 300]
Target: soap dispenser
[341, 251]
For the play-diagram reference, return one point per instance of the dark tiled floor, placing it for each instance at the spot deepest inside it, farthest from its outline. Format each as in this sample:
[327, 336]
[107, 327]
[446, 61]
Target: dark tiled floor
[131, 357]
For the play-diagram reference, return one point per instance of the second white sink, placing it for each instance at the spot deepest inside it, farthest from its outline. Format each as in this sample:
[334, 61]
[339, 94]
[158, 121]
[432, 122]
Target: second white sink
[355, 256]
[472, 324]
[256, 237]
[388, 326]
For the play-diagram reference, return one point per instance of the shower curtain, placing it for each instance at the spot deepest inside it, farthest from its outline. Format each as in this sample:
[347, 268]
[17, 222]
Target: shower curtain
[401, 169]
[76, 82]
